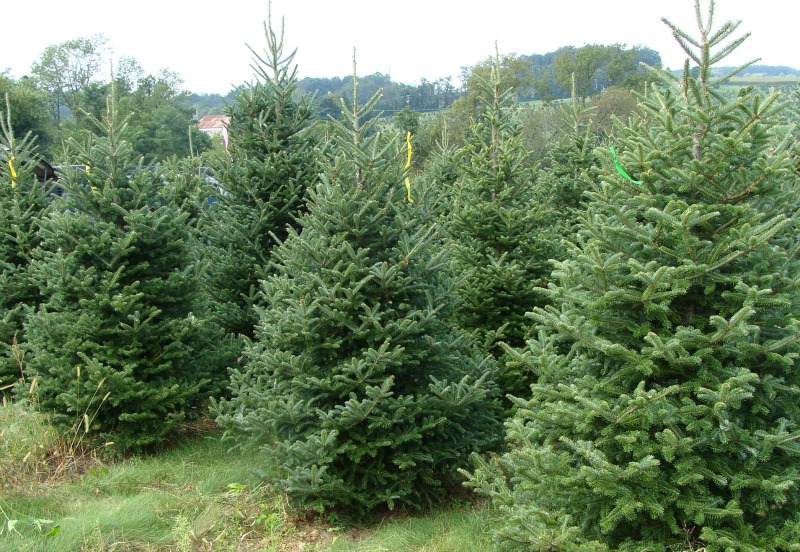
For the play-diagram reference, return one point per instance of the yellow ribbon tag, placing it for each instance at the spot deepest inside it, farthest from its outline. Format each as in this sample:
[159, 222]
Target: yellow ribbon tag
[93, 188]
[13, 172]
[408, 165]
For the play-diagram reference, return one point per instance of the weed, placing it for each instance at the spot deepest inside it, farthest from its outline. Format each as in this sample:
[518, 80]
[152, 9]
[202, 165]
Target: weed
[31, 450]
[183, 533]
[27, 443]
[12, 525]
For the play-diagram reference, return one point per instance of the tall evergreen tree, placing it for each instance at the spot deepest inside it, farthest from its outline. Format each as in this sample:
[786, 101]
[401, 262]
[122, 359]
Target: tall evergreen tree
[502, 228]
[573, 163]
[272, 160]
[357, 387]
[666, 414]
[114, 268]
[441, 167]
[23, 201]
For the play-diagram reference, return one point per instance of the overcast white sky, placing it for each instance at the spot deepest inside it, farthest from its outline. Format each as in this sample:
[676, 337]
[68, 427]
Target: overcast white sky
[206, 41]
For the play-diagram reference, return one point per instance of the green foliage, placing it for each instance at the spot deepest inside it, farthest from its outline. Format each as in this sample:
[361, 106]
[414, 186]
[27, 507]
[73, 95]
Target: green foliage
[442, 168]
[502, 229]
[272, 160]
[114, 270]
[449, 128]
[593, 67]
[426, 96]
[23, 201]
[407, 120]
[161, 119]
[573, 163]
[190, 185]
[512, 72]
[541, 129]
[357, 388]
[210, 104]
[28, 109]
[64, 69]
[665, 414]
[612, 103]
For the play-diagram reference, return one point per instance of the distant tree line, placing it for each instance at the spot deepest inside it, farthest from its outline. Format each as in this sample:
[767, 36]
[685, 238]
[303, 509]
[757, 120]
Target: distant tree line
[766, 70]
[533, 77]
[67, 85]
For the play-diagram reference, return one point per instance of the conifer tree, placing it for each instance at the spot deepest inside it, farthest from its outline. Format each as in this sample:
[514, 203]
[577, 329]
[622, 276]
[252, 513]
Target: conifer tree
[115, 338]
[357, 387]
[442, 167]
[23, 201]
[503, 230]
[272, 160]
[191, 186]
[573, 163]
[665, 415]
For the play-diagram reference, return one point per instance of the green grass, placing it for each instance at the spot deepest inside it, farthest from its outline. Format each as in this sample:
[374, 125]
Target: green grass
[194, 494]
[25, 440]
[460, 529]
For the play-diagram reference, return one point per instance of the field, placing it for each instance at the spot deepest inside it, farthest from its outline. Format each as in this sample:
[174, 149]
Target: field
[762, 80]
[194, 496]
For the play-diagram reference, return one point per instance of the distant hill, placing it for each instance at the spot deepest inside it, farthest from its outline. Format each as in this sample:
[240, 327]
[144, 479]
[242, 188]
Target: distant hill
[762, 71]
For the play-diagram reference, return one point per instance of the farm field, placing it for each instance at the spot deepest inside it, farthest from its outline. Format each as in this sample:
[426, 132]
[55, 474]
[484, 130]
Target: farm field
[480, 323]
[198, 496]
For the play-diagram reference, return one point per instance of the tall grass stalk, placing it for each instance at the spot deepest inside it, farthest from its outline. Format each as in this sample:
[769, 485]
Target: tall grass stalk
[31, 450]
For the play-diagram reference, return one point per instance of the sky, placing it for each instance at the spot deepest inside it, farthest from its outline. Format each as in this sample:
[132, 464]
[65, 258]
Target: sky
[207, 42]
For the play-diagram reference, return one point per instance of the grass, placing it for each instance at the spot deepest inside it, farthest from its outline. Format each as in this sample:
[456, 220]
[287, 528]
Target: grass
[196, 496]
[196, 493]
[461, 529]
[25, 439]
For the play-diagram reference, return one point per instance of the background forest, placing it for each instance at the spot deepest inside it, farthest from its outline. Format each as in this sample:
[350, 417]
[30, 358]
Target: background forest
[558, 302]
[71, 80]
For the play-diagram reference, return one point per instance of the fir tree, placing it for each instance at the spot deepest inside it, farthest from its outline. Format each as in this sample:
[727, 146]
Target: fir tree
[357, 388]
[665, 414]
[272, 160]
[192, 188]
[442, 167]
[573, 164]
[113, 346]
[502, 229]
[23, 201]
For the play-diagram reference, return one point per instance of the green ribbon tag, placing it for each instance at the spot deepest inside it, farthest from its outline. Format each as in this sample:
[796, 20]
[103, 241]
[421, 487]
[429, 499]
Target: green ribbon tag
[620, 170]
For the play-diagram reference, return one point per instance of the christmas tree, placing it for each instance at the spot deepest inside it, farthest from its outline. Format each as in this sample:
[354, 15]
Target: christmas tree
[573, 163]
[665, 414]
[23, 201]
[356, 388]
[114, 345]
[272, 160]
[503, 230]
